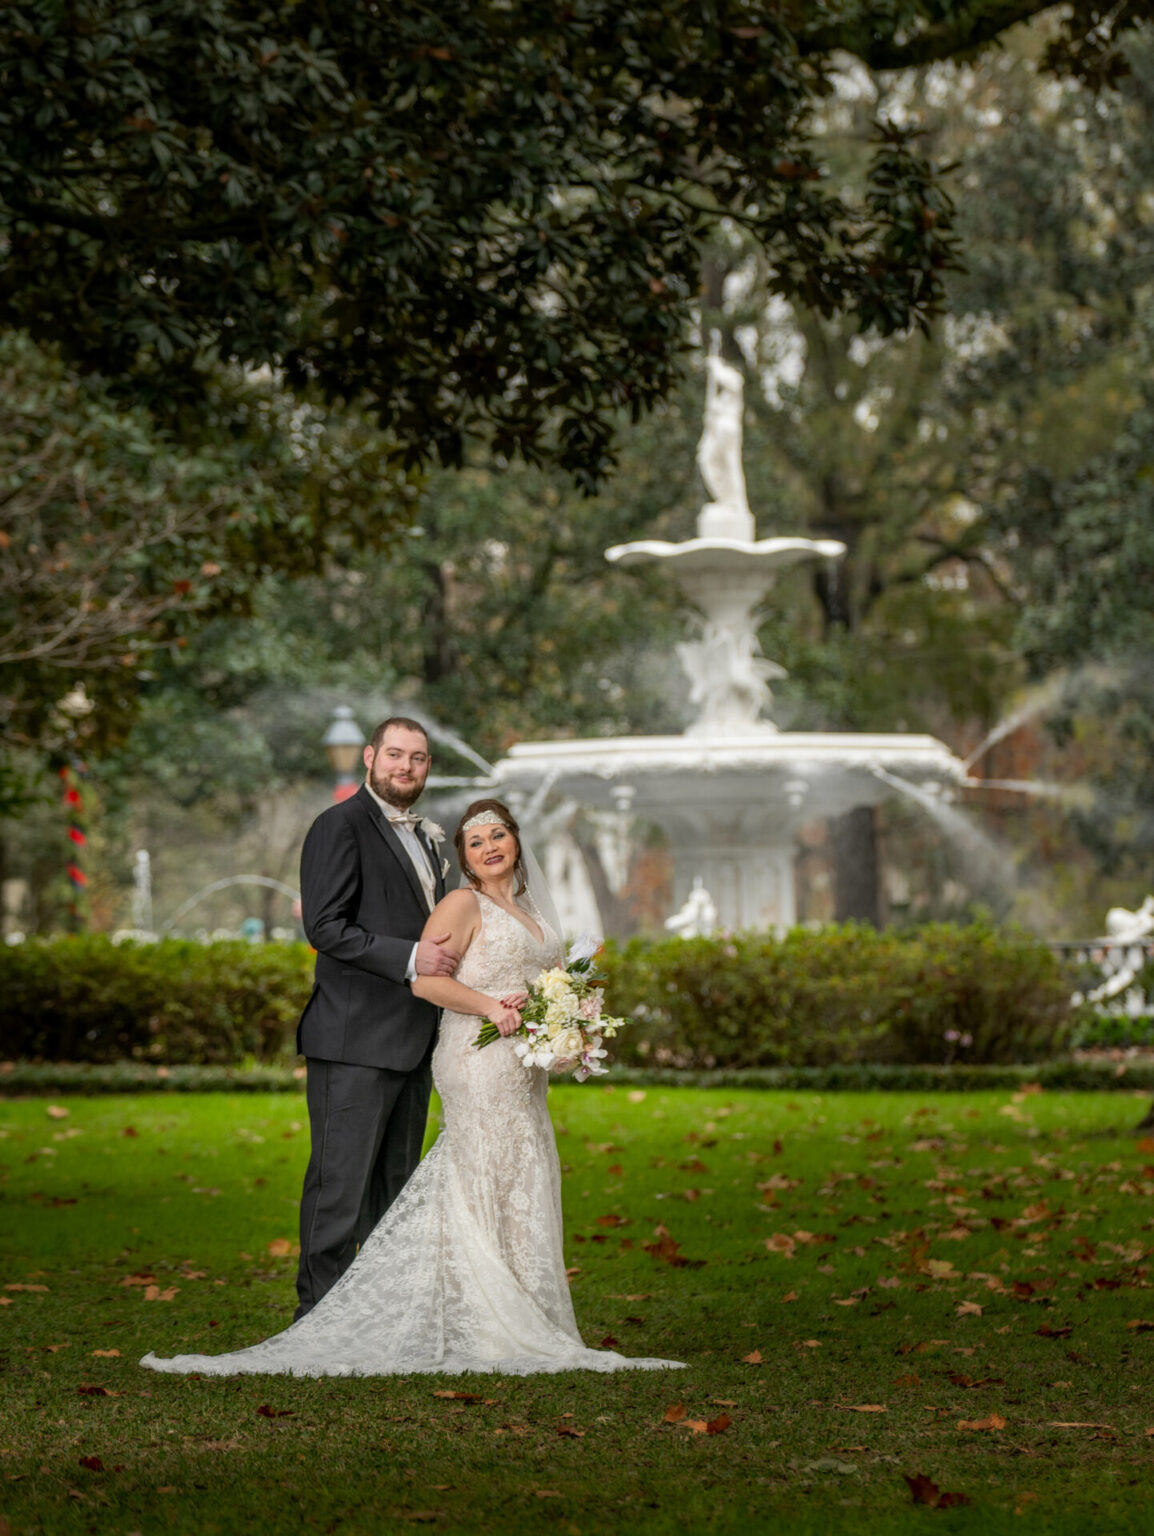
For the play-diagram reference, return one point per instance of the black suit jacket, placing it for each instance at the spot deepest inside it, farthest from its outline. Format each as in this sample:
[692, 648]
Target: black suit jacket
[363, 909]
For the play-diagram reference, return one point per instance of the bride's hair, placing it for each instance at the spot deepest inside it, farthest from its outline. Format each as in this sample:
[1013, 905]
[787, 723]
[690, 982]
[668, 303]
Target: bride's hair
[502, 813]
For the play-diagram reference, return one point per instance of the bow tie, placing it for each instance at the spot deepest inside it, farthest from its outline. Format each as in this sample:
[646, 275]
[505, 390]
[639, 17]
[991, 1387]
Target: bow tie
[403, 818]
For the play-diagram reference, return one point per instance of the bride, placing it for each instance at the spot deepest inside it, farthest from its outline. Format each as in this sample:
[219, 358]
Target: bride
[465, 1270]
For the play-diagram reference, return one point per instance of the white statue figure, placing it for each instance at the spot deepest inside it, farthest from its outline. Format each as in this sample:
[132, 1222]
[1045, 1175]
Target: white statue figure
[1125, 954]
[697, 919]
[1124, 926]
[728, 680]
[719, 455]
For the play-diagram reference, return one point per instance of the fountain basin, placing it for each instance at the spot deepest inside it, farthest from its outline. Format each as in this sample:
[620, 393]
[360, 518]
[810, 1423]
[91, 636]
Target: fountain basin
[731, 805]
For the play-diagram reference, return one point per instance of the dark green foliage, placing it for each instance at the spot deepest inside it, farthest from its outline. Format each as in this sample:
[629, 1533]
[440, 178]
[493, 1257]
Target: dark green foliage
[87, 999]
[482, 213]
[839, 994]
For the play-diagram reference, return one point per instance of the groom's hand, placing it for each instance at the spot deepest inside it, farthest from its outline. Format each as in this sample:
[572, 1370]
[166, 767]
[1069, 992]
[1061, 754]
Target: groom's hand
[433, 959]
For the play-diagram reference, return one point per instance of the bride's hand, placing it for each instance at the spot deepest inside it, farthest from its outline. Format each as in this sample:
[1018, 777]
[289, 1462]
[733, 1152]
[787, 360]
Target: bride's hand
[515, 1000]
[507, 1020]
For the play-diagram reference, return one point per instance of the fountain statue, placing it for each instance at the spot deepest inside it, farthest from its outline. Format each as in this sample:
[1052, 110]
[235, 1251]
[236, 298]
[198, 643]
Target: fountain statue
[697, 919]
[732, 790]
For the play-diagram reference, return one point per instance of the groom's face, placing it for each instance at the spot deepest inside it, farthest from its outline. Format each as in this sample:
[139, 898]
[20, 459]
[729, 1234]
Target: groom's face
[399, 767]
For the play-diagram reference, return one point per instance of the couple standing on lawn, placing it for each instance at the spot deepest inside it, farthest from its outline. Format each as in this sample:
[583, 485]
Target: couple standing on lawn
[453, 1263]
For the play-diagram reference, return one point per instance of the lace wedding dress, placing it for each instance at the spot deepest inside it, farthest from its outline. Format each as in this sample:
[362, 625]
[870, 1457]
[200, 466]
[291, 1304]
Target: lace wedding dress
[465, 1271]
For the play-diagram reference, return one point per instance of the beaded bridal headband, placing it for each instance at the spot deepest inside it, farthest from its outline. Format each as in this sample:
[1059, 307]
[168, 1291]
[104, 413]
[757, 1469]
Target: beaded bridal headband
[484, 819]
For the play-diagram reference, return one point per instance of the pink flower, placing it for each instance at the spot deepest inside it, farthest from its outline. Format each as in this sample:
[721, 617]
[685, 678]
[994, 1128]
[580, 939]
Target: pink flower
[591, 1007]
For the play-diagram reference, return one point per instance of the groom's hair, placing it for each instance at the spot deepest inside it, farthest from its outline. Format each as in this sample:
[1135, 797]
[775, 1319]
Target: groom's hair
[399, 720]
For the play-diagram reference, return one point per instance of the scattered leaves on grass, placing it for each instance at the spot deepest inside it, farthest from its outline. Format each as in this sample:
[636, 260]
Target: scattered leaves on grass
[154, 1293]
[608, 1342]
[993, 1421]
[611, 1220]
[463, 1397]
[57, 1112]
[924, 1490]
[781, 1243]
[570, 1433]
[138, 1278]
[911, 1379]
[547, 1493]
[1046, 1331]
[753, 1358]
[16, 1286]
[275, 1413]
[91, 1389]
[282, 1247]
[959, 1379]
[93, 1463]
[1136, 1325]
[1078, 1424]
[863, 1407]
[675, 1413]
[968, 1309]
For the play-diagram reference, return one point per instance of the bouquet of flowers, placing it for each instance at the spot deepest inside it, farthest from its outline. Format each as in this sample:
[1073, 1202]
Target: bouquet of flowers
[562, 1021]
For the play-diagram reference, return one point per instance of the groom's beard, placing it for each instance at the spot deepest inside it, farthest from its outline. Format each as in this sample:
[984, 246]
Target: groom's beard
[400, 795]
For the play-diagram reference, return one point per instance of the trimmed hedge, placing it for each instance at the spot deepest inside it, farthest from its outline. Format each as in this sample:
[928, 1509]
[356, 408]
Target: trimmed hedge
[86, 999]
[23, 1079]
[835, 996]
[941, 993]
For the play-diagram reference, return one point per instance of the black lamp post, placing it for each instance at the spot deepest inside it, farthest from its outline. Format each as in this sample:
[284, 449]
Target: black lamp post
[343, 743]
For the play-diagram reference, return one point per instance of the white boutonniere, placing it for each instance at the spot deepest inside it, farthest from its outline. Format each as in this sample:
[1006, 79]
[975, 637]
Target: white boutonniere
[432, 831]
[444, 869]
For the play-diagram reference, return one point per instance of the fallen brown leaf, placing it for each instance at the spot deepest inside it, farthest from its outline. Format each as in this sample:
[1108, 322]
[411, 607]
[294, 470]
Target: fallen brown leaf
[668, 1251]
[925, 1491]
[572, 1434]
[675, 1413]
[460, 1397]
[864, 1407]
[106, 1354]
[753, 1358]
[911, 1379]
[1048, 1332]
[718, 1425]
[281, 1247]
[93, 1463]
[57, 1112]
[154, 1293]
[995, 1421]
[967, 1309]
[1139, 1325]
[276, 1413]
[18, 1287]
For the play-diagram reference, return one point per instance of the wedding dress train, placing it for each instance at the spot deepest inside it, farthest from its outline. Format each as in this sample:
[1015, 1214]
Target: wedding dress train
[465, 1271]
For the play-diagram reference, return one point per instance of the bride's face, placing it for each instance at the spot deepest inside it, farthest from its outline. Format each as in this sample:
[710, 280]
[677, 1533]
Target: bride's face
[490, 851]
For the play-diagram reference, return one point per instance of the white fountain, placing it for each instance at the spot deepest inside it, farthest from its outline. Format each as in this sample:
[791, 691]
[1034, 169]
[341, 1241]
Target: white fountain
[733, 789]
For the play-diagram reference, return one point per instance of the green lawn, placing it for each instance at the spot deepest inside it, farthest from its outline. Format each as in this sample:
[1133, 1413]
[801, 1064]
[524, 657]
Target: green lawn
[868, 1275]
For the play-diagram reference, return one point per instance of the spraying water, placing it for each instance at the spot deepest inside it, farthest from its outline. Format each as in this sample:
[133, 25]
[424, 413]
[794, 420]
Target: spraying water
[1036, 702]
[988, 861]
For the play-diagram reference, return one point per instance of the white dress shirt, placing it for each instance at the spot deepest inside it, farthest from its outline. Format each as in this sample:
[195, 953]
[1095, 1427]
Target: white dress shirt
[418, 858]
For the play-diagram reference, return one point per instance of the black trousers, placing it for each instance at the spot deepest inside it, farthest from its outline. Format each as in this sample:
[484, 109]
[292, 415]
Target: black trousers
[367, 1126]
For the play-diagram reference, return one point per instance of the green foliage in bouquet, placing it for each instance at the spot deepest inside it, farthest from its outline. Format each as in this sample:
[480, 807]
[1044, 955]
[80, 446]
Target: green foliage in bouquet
[176, 1001]
[941, 993]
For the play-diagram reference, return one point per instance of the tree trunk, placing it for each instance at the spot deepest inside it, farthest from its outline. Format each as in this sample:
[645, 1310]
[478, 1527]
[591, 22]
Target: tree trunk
[857, 886]
[617, 921]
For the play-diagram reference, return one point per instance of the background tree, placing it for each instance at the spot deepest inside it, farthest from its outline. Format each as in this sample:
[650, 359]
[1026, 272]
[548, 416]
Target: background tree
[484, 216]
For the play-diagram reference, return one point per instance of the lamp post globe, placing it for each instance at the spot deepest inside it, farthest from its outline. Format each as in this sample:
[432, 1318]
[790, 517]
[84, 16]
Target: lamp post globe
[343, 743]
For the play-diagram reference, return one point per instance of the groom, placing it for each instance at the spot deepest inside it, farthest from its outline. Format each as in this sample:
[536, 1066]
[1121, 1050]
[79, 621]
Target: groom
[370, 875]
